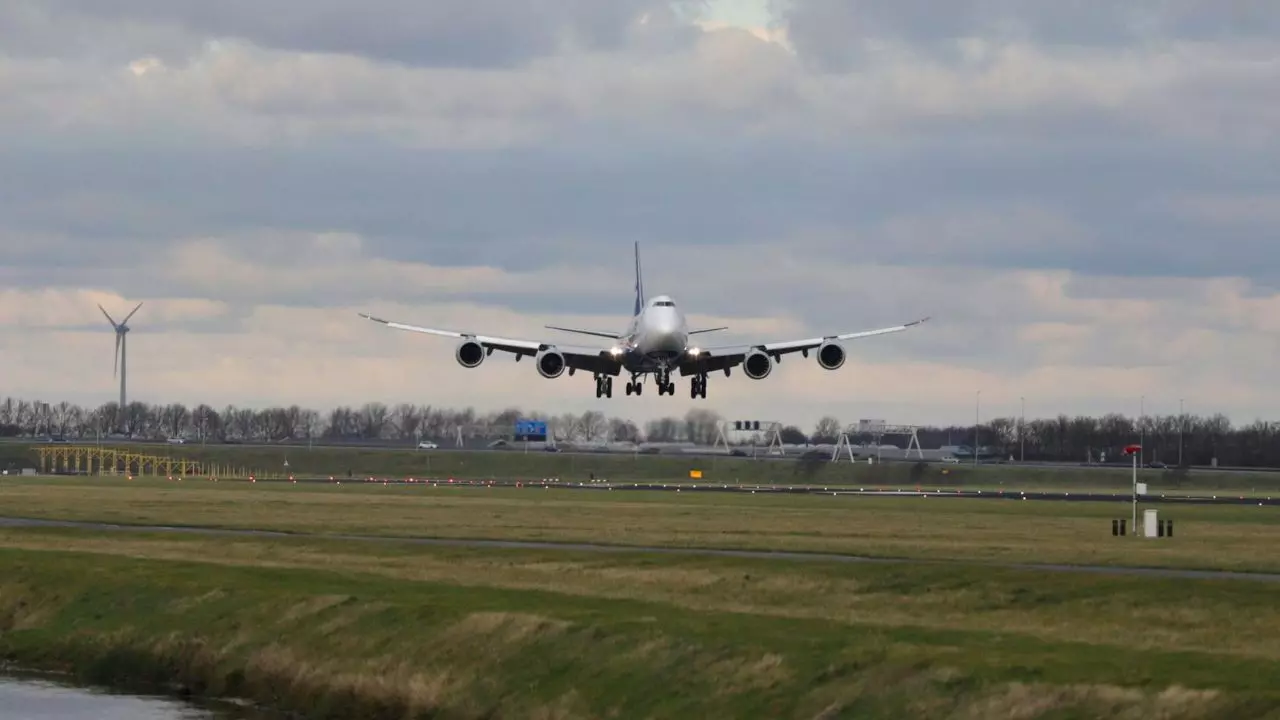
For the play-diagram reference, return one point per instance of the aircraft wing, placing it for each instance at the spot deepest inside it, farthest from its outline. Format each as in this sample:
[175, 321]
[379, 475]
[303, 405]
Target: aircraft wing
[595, 360]
[722, 358]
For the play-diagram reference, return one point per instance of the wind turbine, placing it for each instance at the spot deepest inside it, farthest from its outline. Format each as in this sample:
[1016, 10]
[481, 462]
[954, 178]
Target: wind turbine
[122, 329]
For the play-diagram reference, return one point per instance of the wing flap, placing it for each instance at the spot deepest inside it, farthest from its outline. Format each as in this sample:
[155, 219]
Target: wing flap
[596, 333]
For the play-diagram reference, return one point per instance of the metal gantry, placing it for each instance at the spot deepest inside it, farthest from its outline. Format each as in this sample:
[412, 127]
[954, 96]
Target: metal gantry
[105, 460]
[877, 431]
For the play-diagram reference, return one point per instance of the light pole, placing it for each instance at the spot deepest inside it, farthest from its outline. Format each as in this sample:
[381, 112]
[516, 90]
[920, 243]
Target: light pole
[977, 400]
[1135, 451]
[1022, 432]
[1182, 423]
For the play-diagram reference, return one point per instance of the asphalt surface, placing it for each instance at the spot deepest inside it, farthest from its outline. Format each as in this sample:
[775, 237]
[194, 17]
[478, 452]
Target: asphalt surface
[580, 449]
[1165, 573]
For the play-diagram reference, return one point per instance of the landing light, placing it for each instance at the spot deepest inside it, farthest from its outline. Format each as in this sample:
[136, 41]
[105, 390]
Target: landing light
[615, 350]
[695, 351]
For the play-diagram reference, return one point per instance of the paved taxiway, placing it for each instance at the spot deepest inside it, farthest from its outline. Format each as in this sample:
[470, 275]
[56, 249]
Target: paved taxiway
[1210, 499]
[9, 522]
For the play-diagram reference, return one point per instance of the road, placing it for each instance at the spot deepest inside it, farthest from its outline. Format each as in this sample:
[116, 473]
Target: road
[567, 449]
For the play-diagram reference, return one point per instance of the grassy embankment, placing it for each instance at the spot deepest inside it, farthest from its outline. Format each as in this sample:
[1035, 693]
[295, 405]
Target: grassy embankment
[351, 629]
[363, 462]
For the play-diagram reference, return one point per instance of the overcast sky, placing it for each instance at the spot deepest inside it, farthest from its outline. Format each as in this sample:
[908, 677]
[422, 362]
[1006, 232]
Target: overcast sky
[1084, 196]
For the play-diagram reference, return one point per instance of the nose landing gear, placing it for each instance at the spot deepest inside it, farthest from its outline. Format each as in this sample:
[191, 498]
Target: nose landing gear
[665, 386]
[635, 386]
[698, 386]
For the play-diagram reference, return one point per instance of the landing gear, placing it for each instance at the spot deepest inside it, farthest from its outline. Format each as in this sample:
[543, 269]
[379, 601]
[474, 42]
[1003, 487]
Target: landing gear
[604, 386]
[634, 387]
[665, 386]
[698, 387]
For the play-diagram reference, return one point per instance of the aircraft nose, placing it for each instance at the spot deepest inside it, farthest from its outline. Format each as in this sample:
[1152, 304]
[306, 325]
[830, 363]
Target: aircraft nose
[668, 329]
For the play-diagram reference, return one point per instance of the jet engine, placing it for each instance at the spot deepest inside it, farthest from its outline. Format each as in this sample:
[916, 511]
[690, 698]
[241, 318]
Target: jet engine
[551, 363]
[830, 356]
[757, 365]
[470, 353]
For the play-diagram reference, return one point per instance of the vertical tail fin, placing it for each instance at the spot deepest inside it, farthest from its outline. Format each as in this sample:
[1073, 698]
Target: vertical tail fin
[639, 283]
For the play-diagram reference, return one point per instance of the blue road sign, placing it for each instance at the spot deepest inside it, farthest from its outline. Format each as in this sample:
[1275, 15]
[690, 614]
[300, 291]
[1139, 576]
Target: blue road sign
[531, 430]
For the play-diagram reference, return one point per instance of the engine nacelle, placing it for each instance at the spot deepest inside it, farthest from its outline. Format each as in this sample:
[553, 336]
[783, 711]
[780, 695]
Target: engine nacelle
[470, 353]
[830, 356]
[757, 365]
[551, 363]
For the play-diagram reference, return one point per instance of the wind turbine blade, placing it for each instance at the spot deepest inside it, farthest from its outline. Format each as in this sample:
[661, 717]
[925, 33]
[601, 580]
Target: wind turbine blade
[115, 366]
[126, 317]
[104, 312]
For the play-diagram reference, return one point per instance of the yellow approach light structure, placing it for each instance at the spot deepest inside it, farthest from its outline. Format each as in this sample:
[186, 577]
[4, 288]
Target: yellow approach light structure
[99, 460]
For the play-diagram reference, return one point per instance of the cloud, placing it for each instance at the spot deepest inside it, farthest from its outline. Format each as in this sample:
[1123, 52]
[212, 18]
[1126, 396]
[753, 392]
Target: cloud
[456, 33]
[1081, 197]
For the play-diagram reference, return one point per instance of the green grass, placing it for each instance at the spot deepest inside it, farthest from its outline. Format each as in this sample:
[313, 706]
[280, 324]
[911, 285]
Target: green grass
[363, 462]
[1208, 537]
[336, 629]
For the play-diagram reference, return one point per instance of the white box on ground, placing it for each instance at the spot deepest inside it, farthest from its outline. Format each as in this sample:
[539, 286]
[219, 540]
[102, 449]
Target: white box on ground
[1149, 523]
[1142, 488]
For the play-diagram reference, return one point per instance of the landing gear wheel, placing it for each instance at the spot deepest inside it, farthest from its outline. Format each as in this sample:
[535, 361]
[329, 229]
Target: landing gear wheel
[604, 386]
[698, 388]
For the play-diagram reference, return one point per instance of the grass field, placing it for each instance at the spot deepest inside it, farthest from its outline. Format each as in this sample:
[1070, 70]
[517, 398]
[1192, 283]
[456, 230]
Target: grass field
[1207, 537]
[338, 628]
[513, 464]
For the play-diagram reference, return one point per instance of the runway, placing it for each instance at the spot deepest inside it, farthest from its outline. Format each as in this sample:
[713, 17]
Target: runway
[1058, 496]
[1164, 573]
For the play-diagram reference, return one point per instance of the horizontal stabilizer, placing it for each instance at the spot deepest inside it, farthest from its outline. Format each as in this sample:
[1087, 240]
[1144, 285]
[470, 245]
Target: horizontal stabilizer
[611, 336]
[707, 330]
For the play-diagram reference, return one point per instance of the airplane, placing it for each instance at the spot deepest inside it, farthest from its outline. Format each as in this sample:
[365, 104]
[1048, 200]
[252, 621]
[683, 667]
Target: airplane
[657, 342]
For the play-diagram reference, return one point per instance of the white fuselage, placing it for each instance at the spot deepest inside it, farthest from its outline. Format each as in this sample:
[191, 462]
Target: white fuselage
[657, 337]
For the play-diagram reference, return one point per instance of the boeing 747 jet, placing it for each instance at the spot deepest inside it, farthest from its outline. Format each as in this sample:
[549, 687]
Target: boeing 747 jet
[658, 342]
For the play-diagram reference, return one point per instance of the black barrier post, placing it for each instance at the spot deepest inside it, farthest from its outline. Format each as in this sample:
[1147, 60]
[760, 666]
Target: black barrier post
[1115, 526]
[1168, 528]
[1121, 526]
[1159, 528]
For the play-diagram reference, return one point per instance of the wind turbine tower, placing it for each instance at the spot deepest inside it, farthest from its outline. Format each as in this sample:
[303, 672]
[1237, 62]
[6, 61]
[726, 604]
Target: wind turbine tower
[122, 330]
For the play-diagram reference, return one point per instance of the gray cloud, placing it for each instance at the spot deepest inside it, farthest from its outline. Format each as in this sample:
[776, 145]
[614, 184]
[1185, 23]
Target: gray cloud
[442, 33]
[834, 33]
[1102, 211]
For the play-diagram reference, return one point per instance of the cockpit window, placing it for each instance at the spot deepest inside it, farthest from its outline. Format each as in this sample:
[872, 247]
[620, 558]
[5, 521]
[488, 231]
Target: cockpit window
[664, 303]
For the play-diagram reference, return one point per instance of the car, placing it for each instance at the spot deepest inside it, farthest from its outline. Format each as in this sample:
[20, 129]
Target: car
[428, 445]
[176, 441]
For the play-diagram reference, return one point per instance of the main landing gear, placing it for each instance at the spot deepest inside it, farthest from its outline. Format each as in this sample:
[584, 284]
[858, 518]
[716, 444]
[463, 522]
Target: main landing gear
[698, 386]
[604, 386]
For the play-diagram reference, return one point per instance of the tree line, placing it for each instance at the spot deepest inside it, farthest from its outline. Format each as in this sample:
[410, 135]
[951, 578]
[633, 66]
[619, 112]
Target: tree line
[1189, 439]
